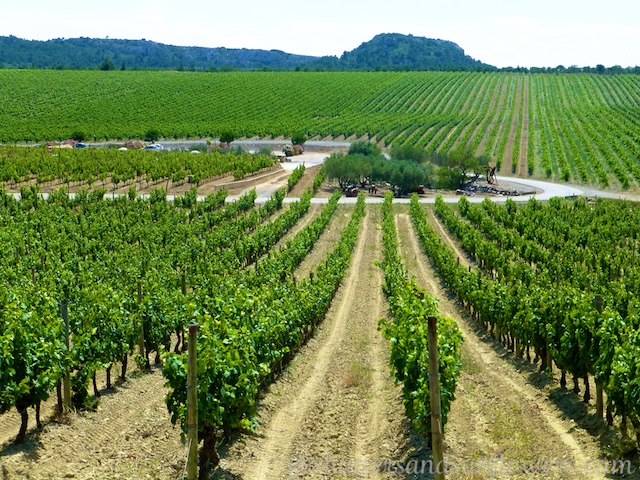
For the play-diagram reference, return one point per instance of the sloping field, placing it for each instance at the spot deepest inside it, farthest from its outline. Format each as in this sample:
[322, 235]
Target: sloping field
[579, 127]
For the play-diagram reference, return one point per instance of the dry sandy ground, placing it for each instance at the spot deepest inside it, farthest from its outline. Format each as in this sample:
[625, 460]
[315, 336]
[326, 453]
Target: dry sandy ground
[129, 437]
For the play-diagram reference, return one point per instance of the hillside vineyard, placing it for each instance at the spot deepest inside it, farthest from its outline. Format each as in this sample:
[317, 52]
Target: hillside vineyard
[574, 127]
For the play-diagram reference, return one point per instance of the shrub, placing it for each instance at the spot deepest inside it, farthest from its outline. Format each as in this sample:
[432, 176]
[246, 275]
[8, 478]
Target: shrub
[298, 138]
[227, 137]
[78, 136]
[152, 135]
[365, 148]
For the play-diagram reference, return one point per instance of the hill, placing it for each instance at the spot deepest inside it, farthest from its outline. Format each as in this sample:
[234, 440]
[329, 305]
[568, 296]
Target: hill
[386, 51]
[395, 51]
[136, 54]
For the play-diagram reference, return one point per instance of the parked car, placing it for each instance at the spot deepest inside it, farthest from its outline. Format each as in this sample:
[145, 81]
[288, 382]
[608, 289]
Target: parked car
[81, 145]
[154, 146]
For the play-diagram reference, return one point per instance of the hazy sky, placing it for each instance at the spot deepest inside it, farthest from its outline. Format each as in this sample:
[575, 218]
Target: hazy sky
[499, 32]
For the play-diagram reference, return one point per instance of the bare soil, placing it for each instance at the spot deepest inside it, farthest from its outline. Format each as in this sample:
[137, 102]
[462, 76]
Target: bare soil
[326, 189]
[302, 223]
[326, 242]
[129, 436]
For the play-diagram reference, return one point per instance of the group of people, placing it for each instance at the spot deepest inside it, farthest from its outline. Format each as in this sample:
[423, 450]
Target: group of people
[373, 188]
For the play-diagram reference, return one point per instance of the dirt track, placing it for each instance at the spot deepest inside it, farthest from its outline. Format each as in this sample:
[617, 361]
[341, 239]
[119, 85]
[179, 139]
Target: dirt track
[336, 402]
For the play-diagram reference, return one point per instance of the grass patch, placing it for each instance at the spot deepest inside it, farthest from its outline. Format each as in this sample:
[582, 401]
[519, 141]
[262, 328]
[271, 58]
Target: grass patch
[469, 366]
[357, 375]
[363, 341]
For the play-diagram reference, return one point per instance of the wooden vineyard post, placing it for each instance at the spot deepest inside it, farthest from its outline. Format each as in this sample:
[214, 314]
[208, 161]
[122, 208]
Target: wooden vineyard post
[434, 392]
[66, 381]
[192, 406]
[597, 303]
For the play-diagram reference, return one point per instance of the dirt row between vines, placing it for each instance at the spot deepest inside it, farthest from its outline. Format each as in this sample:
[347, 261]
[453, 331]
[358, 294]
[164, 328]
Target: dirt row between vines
[302, 222]
[499, 416]
[326, 242]
[305, 182]
[336, 405]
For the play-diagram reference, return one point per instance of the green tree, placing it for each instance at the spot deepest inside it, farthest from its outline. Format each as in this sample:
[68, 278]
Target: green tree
[408, 152]
[465, 163]
[459, 168]
[78, 136]
[227, 137]
[448, 178]
[340, 167]
[412, 177]
[364, 148]
[404, 176]
[298, 138]
[152, 135]
[107, 64]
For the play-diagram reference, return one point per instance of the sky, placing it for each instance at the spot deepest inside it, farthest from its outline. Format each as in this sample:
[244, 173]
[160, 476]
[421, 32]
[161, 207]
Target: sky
[503, 33]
